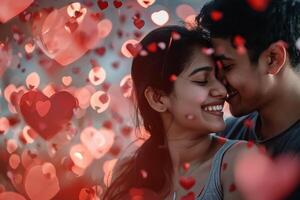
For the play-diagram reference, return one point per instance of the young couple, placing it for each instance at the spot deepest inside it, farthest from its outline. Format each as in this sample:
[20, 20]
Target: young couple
[180, 93]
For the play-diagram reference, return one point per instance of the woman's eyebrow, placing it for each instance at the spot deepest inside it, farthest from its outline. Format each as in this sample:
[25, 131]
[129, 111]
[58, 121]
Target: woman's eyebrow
[205, 68]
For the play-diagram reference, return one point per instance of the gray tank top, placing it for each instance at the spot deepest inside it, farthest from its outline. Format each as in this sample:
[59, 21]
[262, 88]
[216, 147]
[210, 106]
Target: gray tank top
[213, 187]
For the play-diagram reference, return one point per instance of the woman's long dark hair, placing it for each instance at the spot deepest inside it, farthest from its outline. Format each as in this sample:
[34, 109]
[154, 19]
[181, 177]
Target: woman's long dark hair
[154, 70]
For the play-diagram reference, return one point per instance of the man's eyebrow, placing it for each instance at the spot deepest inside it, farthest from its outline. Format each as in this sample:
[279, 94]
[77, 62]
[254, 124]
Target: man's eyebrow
[205, 68]
[222, 57]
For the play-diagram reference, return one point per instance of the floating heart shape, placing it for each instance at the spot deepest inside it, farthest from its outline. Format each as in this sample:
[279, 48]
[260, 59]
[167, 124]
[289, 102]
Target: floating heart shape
[134, 50]
[187, 182]
[98, 142]
[100, 101]
[139, 23]
[40, 184]
[43, 107]
[11, 8]
[152, 47]
[11, 196]
[55, 112]
[146, 3]
[102, 4]
[67, 33]
[141, 193]
[189, 196]
[67, 80]
[160, 18]
[117, 4]
[268, 179]
[216, 15]
[259, 5]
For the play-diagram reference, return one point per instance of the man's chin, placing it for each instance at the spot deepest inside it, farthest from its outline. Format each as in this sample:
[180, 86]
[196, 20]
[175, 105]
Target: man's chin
[238, 112]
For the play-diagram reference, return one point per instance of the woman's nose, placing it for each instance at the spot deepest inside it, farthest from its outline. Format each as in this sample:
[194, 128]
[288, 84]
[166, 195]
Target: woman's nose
[218, 90]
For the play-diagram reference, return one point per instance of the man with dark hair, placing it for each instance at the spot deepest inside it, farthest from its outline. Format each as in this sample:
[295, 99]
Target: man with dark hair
[257, 46]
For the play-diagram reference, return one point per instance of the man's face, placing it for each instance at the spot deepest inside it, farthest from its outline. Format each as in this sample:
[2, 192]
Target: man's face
[244, 81]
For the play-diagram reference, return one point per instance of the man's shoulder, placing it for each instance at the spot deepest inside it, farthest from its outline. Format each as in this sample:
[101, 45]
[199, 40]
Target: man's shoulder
[240, 128]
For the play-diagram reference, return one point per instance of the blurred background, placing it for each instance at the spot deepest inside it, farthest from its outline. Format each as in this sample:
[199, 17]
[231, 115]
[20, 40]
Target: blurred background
[72, 60]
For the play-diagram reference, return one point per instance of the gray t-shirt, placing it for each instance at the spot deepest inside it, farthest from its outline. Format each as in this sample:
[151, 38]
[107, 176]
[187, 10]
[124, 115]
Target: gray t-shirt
[288, 141]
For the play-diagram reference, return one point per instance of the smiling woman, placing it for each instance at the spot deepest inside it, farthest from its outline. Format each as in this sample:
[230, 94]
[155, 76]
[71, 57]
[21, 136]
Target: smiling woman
[180, 102]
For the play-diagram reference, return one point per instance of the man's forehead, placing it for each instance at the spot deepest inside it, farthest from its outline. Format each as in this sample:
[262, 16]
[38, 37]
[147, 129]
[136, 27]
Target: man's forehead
[223, 49]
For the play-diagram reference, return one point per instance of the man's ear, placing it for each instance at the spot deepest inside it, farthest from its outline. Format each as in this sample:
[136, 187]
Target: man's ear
[275, 57]
[156, 99]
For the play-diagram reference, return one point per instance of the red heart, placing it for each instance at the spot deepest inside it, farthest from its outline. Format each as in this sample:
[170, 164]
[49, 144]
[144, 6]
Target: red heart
[102, 4]
[43, 107]
[216, 15]
[117, 4]
[189, 196]
[100, 51]
[126, 130]
[187, 182]
[152, 47]
[186, 166]
[72, 25]
[103, 98]
[134, 50]
[259, 5]
[141, 193]
[239, 41]
[139, 23]
[47, 124]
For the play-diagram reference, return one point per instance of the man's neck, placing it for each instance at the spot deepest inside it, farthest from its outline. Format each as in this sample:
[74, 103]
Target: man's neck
[283, 111]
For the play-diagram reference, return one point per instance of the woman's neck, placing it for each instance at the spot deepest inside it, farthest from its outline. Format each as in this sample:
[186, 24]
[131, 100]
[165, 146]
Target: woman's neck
[190, 150]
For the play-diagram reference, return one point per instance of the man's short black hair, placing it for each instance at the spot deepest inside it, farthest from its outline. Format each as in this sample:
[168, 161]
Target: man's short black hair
[279, 21]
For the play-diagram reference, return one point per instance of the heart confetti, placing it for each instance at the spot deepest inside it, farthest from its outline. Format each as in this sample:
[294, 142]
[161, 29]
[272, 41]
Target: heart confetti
[102, 4]
[160, 17]
[64, 35]
[216, 15]
[187, 182]
[98, 142]
[138, 22]
[47, 116]
[11, 8]
[133, 49]
[117, 3]
[39, 185]
[33, 80]
[100, 101]
[259, 5]
[146, 3]
[11, 196]
[268, 179]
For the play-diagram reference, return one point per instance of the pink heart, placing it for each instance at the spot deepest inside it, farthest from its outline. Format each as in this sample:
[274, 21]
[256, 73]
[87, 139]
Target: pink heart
[11, 196]
[11, 8]
[65, 37]
[97, 142]
[43, 107]
[258, 177]
[39, 184]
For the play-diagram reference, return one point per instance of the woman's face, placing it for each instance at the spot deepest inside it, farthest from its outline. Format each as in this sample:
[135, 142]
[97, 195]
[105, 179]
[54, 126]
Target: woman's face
[198, 97]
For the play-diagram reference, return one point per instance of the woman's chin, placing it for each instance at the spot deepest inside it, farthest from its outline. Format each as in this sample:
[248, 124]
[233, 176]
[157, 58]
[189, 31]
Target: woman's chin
[217, 127]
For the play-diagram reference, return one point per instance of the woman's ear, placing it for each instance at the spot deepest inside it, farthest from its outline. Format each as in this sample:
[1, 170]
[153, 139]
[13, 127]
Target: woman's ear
[156, 99]
[275, 57]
